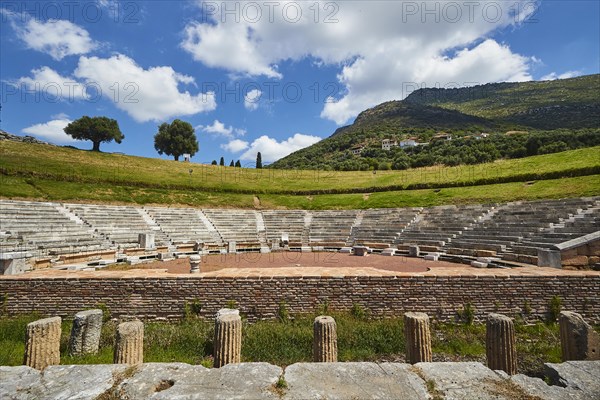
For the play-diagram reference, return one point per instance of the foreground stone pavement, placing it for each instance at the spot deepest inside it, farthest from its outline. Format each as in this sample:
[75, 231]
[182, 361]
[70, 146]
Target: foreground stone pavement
[578, 380]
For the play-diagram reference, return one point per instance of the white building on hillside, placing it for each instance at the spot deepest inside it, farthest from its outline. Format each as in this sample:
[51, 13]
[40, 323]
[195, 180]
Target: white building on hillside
[408, 143]
[387, 144]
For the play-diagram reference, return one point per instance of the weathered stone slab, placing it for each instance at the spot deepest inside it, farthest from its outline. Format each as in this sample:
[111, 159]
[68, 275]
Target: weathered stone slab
[152, 378]
[333, 381]
[540, 389]
[581, 375]
[467, 380]
[16, 381]
[232, 381]
[79, 382]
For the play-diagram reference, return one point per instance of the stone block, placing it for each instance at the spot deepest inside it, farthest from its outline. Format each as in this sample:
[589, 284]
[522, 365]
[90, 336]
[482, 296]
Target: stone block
[485, 253]
[432, 256]
[357, 380]
[576, 261]
[549, 258]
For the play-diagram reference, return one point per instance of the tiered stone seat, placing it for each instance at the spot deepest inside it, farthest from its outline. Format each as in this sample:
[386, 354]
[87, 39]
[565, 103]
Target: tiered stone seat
[438, 226]
[42, 229]
[279, 222]
[183, 225]
[567, 219]
[331, 226]
[382, 225]
[234, 225]
[121, 225]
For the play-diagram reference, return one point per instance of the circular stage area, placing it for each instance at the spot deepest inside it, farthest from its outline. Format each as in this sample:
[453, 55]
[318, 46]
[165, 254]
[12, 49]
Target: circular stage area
[327, 260]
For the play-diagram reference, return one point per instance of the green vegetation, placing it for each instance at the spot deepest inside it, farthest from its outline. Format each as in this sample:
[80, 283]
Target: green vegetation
[176, 139]
[35, 171]
[284, 343]
[555, 307]
[518, 119]
[95, 129]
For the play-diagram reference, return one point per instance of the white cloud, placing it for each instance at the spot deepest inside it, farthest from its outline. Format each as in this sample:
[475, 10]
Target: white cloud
[151, 94]
[381, 46]
[553, 75]
[218, 128]
[272, 150]
[51, 131]
[235, 146]
[251, 99]
[53, 85]
[58, 38]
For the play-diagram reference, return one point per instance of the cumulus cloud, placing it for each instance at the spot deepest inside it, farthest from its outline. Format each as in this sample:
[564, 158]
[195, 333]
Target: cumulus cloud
[52, 85]
[235, 146]
[218, 128]
[56, 37]
[553, 75]
[151, 94]
[251, 99]
[272, 150]
[52, 130]
[380, 46]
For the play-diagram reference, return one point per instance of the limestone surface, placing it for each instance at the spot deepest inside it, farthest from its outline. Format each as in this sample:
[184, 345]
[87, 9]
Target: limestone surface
[580, 375]
[334, 381]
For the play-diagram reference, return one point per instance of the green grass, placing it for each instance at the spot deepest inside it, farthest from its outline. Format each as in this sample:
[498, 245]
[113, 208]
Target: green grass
[284, 343]
[48, 173]
[48, 190]
[60, 165]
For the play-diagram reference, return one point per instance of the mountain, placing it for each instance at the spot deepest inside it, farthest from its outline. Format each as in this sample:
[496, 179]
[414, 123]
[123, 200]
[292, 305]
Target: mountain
[556, 115]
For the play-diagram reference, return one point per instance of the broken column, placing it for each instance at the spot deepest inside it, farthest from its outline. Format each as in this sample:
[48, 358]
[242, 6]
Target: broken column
[418, 337]
[85, 334]
[42, 343]
[578, 339]
[129, 346]
[324, 339]
[228, 338]
[500, 344]
[195, 264]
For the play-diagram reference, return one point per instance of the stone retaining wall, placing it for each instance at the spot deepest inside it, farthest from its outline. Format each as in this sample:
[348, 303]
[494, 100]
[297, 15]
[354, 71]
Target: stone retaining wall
[259, 297]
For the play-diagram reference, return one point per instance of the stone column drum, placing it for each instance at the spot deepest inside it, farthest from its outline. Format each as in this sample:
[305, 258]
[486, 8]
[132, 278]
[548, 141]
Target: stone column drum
[129, 346]
[42, 343]
[500, 344]
[228, 338]
[85, 334]
[578, 339]
[195, 264]
[418, 337]
[324, 339]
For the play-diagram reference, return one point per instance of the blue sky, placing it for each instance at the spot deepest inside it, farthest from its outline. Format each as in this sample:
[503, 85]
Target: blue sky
[267, 76]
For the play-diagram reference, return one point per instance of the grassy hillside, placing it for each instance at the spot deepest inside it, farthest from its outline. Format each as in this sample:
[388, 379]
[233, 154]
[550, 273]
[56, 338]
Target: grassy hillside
[553, 116]
[63, 174]
[568, 103]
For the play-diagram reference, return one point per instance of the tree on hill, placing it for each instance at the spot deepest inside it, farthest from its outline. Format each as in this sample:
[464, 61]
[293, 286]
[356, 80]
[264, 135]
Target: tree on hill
[95, 129]
[258, 160]
[175, 139]
[231, 164]
[222, 162]
[238, 164]
[214, 162]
